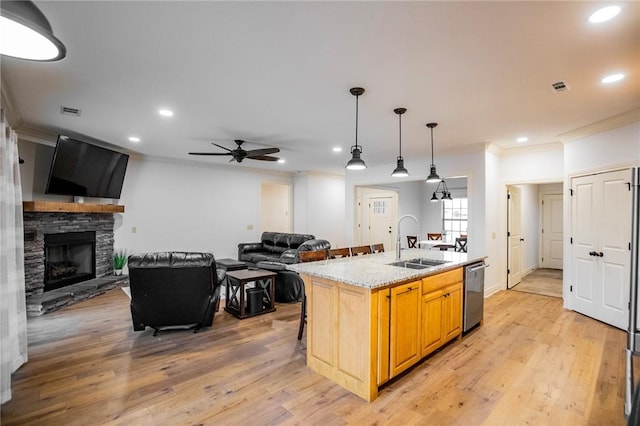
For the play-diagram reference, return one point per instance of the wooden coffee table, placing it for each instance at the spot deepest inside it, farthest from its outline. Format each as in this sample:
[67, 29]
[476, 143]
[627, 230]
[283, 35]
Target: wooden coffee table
[235, 302]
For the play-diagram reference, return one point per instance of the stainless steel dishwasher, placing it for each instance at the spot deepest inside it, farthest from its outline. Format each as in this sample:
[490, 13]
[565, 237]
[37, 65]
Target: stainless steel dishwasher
[473, 295]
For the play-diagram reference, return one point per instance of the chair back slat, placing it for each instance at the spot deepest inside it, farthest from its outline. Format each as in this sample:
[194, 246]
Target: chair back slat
[412, 241]
[434, 236]
[312, 255]
[355, 251]
[339, 252]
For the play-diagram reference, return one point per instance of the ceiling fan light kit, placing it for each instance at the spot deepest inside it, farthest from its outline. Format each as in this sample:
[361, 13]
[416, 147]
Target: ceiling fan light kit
[400, 170]
[356, 163]
[27, 34]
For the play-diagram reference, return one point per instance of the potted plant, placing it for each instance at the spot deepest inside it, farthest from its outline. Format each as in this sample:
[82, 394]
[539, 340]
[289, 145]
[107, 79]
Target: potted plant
[119, 260]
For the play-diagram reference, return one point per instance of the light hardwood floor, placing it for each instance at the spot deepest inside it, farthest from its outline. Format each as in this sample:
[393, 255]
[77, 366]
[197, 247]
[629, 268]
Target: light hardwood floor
[531, 362]
[543, 281]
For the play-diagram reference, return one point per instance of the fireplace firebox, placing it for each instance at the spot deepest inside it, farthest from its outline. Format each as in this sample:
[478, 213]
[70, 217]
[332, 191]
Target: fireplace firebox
[70, 258]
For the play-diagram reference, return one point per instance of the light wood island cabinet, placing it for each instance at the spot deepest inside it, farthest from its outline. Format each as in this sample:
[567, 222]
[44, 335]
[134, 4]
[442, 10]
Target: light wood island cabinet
[362, 337]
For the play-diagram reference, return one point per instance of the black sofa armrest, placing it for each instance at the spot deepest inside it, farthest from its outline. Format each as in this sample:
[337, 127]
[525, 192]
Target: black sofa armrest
[249, 247]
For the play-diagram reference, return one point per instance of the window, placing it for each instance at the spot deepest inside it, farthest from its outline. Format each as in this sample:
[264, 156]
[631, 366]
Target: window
[454, 217]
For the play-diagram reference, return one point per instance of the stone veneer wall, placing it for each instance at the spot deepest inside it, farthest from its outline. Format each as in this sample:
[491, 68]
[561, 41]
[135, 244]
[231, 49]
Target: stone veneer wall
[37, 224]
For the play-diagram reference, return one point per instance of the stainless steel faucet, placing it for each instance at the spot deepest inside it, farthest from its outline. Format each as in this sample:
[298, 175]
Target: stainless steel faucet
[417, 234]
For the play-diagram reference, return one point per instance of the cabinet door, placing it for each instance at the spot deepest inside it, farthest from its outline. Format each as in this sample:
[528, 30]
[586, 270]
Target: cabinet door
[405, 327]
[452, 311]
[432, 337]
[384, 308]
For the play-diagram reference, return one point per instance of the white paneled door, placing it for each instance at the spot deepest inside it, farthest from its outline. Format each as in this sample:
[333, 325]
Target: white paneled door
[601, 248]
[514, 236]
[381, 220]
[552, 234]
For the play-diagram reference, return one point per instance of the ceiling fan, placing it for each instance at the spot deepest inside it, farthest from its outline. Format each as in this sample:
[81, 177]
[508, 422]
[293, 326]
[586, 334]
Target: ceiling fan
[240, 154]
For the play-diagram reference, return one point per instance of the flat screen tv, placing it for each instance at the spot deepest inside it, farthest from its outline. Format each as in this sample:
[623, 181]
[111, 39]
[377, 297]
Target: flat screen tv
[84, 170]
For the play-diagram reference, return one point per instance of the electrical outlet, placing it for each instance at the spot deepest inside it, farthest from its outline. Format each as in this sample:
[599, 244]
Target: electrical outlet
[134, 229]
[493, 235]
[249, 227]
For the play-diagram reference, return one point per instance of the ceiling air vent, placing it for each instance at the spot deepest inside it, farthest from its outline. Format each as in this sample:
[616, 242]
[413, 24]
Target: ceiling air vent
[560, 86]
[70, 111]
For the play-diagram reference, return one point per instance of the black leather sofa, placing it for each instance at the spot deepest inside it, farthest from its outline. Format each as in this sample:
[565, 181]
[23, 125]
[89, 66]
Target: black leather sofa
[279, 247]
[274, 251]
[172, 289]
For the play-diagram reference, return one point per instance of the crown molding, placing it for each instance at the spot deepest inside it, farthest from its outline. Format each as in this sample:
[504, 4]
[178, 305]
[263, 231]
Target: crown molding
[31, 133]
[602, 126]
[8, 104]
[530, 149]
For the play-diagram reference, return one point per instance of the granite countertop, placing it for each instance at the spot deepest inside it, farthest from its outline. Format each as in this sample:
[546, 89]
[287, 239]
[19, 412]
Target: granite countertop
[374, 270]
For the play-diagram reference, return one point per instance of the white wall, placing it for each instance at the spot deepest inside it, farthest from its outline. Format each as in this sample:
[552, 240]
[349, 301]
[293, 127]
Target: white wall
[604, 151]
[319, 201]
[196, 207]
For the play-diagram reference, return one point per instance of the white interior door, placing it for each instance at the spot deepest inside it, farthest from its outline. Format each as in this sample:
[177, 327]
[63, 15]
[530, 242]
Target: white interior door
[514, 236]
[381, 220]
[552, 232]
[275, 208]
[601, 256]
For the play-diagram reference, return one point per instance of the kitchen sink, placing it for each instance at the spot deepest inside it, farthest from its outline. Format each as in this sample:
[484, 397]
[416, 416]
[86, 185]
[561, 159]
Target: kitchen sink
[419, 263]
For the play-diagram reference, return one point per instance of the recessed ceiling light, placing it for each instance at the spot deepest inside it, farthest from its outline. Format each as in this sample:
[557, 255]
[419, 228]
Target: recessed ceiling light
[604, 14]
[337, 149]
[281, 161]
[165, 112]
[612, 78]
[134, 139]
[522, 139]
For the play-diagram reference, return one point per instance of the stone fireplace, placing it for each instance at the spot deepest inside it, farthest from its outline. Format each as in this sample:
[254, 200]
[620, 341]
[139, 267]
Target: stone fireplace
[68, 253]
[69, 258]
[39, 227]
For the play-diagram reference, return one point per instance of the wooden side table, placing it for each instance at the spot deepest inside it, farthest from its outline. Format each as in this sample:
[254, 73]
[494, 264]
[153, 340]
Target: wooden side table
[235, 302]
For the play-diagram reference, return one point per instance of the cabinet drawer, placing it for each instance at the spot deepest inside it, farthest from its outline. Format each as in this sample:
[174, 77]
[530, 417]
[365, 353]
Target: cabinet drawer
[435, 282]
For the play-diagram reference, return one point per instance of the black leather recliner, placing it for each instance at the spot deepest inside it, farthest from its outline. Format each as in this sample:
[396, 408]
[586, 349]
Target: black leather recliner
[171, 289]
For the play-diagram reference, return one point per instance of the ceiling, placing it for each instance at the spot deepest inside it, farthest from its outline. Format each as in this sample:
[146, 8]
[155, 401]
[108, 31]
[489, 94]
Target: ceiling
[279, 73]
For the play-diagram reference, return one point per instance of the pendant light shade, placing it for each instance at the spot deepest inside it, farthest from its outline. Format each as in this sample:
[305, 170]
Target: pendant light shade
[356, 163]
[444, 192]
[25, 33]
[433, 175]
[400, 171]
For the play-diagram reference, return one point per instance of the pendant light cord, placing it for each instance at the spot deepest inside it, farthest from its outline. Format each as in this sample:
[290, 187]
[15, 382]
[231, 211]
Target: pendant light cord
[432, 146]
[357, 121]
[400, 132]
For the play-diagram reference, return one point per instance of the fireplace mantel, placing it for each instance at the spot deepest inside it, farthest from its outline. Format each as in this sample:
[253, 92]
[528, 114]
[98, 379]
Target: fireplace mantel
[57, 207]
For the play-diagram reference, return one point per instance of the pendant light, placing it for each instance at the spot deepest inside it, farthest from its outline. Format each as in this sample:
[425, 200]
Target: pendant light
[356, 162]
[27, 34]
[400, 171]
[443, 190]
[433, 176]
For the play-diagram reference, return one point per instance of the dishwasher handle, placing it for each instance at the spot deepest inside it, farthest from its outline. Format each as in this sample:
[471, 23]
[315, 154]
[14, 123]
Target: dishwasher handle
[477, 268]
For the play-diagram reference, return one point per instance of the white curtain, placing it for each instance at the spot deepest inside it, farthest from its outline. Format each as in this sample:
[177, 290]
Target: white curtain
[13, 311]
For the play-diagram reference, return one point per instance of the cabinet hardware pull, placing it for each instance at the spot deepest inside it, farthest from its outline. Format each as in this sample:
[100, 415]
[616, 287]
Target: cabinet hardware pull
[600, 254]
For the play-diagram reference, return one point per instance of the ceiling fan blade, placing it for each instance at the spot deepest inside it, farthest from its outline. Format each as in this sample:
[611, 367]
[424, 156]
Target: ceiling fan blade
[210, 153]
[220, 146]
[264, 151]
[262, 157]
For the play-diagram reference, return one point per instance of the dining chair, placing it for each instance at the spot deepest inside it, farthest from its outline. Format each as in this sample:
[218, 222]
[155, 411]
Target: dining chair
[434, 236]
[377, 248]
[313, 255]
[355, 251]
[461, 245]
[412, 241]
[339, 252]
[308, 256]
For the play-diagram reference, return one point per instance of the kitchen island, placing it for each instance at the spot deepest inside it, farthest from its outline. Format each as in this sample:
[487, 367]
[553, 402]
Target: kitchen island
[368, 320]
